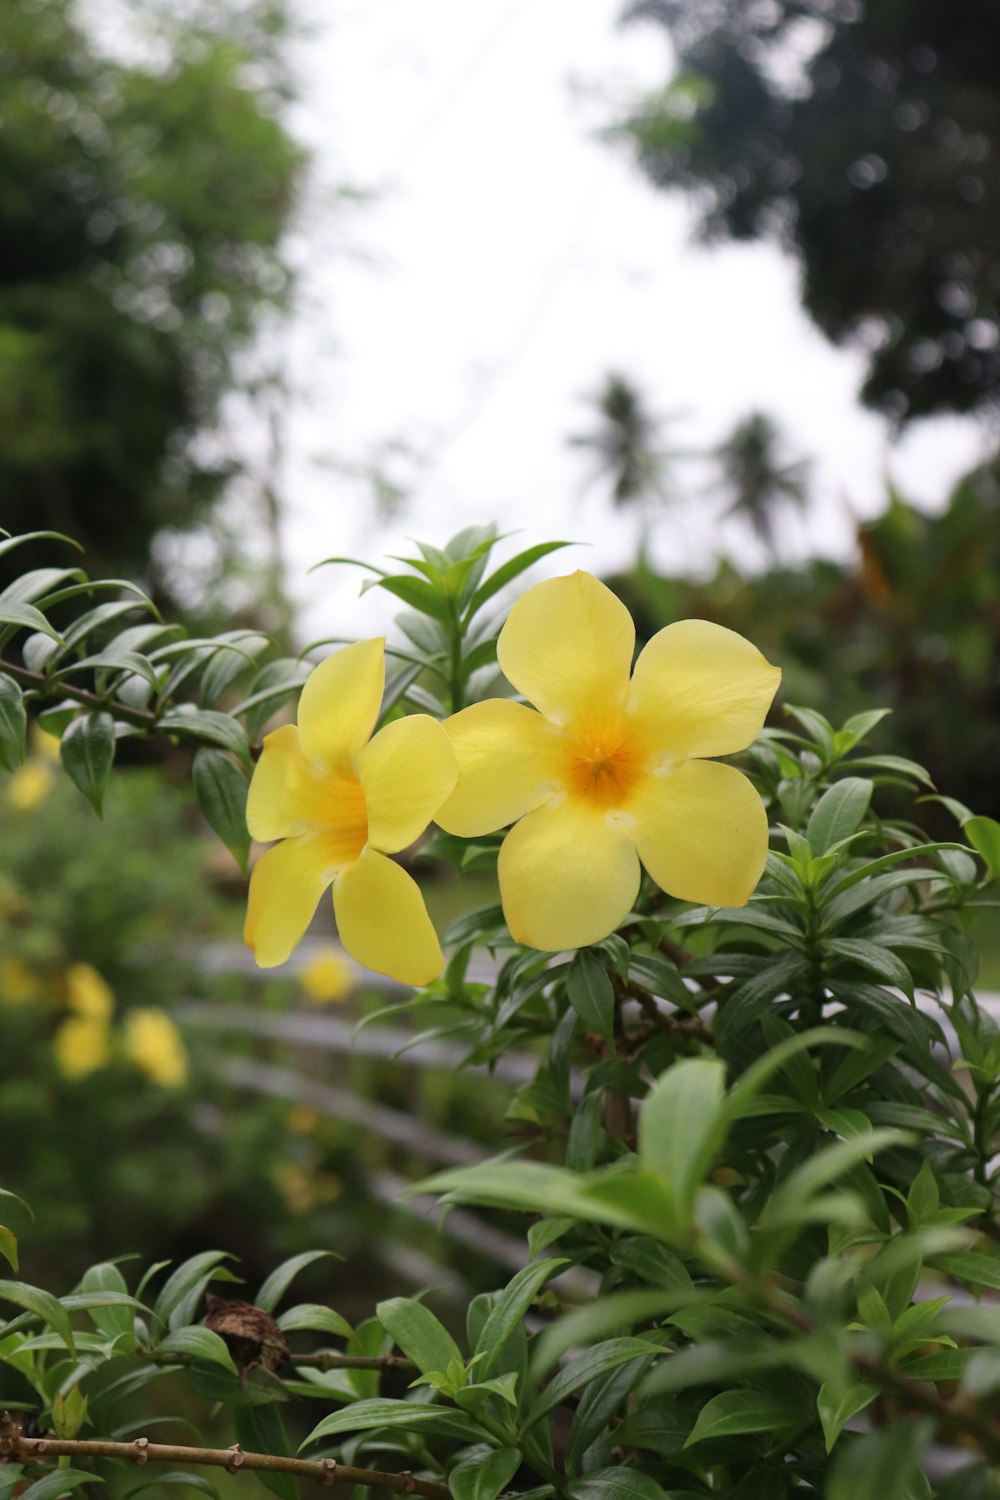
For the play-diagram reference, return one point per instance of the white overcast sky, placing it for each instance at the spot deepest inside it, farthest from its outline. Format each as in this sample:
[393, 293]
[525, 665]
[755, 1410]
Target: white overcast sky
[508, 260]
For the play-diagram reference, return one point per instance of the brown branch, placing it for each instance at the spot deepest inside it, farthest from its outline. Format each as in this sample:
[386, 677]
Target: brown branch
[326, 1360]
[15, 1446]
[37, 682]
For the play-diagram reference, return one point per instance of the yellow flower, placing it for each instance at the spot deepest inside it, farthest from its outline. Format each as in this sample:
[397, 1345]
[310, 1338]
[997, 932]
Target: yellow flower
[609, 771]
[29, 785]
[326, 978]
[18, 982]
[154, 1044]
[88, 993]
[340, 802]
[81, 1046]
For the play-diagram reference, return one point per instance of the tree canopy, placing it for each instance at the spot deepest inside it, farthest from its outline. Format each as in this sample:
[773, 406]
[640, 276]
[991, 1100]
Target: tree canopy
[141, 208]
[864, 135]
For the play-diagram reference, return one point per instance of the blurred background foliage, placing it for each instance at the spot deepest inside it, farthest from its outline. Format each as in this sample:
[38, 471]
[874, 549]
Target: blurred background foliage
[141, 213]
[864, 136]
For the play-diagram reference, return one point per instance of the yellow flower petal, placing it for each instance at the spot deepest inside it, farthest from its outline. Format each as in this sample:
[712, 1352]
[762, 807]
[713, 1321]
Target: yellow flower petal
[285, 888]
[283, 787]
[406, 771]
[701, 690]
[81, 1046]
[339, 705]
[701, 832]
[568, 877]
[509, 758]
[88, 992]
[289, 795]
[383, 922]
[154, 1044]
[567, 646]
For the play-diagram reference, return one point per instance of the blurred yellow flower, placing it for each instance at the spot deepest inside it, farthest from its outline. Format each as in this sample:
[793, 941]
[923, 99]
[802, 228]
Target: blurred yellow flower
[303, 1120]
[45, 744]
[154, 1044]
[88, 993]
[611, 769]
[29, 785]
[326, 978]
[81, 1046]
[340, 801]
[18, 982]
[302, 1189]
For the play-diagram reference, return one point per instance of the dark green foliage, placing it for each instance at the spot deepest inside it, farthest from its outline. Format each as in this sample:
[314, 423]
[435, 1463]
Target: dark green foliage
[140, 214]
[863, 135]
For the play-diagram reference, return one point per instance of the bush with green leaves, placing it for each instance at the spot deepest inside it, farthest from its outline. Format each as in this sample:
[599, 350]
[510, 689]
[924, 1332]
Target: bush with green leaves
[755, 1168]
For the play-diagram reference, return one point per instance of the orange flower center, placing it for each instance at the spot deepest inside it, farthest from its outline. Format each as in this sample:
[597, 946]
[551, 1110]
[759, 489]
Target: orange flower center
[343, 817]
[604, 765]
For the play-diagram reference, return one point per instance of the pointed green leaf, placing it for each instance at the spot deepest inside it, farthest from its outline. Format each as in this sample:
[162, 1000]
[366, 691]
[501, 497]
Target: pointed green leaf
[838, 813]
[984, 836]
[484, 1477]
[87, 751]
[195, 1342]
[260, 1429]
[735, 1412]
[510, 570]
[43, 1305]
[13, 723]
[409, 1416]
[683, 1124]
[420, 1335]
[27, 617]
[221, 789]
[589, 991]
[621, 1482]
[56, 1483]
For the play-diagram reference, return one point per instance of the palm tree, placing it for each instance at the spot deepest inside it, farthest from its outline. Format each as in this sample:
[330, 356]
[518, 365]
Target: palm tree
[758, 484]
[630, 450]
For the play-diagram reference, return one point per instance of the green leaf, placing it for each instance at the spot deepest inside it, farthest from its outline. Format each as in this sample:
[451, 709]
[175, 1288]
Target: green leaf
[589, 991]
[420, 1335]
[838, 813]
[735, 1412]
[43, 1305]
[683, 1124]
[182, 1291]
[195, 1342]
[984, 836]
[418, 594]
[274, 1287]
[483, 1477]
[111, 1319]
[510, 570]
[8, 1247]
[589, 1366]
[509, 1309]
[837, 1406]
[57, 1482]
[874, 957]
[410, 1416]
[233, 652]
[600, 1401]
[977, 1270]
[621, 1482]
[204, 724]
[174, 1478]
[36, 536]
[221, 789]
[260, 1429]
[13, 723]
[881, 1465]
[27, 617]
[316, 1318]
[87, 751]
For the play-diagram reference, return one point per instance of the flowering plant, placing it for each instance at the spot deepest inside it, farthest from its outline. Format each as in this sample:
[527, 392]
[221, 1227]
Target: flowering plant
[755, 1170]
